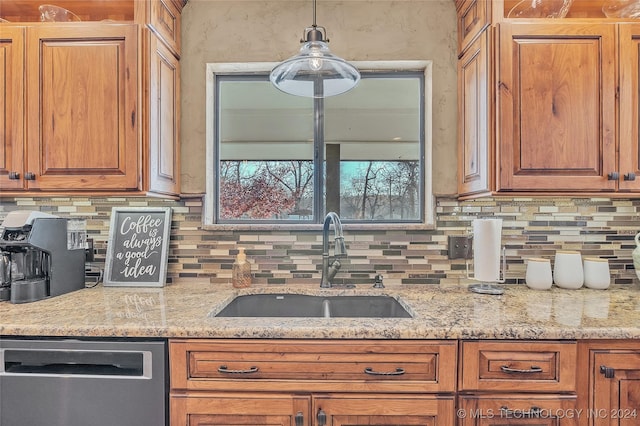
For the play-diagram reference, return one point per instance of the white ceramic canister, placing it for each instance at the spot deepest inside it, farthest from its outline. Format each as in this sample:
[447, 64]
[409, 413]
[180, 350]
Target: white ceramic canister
[568, 270]
[538, 275]
[596, 273]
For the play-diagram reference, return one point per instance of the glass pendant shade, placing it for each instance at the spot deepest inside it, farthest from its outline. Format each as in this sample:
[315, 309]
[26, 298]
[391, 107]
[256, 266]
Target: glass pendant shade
[315, 73]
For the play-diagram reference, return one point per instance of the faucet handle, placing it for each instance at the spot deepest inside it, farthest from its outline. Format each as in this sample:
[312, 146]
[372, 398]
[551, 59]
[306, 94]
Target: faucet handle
[378, 282]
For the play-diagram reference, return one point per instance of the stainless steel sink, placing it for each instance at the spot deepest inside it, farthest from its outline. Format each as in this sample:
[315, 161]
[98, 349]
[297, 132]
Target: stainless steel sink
[301, 305]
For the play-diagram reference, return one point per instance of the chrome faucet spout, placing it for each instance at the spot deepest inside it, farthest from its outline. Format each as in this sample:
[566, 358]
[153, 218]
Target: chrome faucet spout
[330, 269]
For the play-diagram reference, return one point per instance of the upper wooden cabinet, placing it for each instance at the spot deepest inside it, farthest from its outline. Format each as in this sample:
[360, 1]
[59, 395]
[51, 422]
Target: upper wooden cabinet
[474, 112]
[101, 99]
[560, 115]
[11, 106]
[82, 111]
[556, 114]
[473, 18]
[629, 136]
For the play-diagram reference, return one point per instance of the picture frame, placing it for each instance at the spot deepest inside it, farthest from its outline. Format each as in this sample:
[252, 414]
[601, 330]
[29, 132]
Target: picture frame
[138, 247]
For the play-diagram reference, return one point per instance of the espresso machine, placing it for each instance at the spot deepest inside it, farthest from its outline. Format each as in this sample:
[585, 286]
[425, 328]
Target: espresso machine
[39, 257]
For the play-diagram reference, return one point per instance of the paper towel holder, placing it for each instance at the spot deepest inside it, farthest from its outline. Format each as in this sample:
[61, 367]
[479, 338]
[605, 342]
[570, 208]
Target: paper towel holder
[490, 287]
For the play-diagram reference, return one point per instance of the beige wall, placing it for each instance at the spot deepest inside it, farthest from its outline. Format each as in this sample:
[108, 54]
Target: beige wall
[359, 30]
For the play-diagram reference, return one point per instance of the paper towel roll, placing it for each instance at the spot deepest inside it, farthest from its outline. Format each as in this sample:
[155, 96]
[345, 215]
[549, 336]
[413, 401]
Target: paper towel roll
[487, 235]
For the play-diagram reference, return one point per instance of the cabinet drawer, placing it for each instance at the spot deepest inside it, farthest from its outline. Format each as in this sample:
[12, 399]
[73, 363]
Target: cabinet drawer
[497, 365]
[342, 365]
[518, 409]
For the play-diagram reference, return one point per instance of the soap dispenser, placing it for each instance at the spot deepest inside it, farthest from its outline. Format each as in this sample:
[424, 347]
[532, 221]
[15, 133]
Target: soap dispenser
[241, 276]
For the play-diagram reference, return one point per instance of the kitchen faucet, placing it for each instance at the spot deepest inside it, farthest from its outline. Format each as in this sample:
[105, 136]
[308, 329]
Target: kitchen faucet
[339, 249]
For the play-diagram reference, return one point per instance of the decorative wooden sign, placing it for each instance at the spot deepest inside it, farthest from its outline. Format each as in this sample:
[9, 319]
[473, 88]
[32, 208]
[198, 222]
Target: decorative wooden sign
[138, 247]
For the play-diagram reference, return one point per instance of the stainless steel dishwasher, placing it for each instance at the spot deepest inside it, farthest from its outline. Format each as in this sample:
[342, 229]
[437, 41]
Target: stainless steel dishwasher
[72, 382]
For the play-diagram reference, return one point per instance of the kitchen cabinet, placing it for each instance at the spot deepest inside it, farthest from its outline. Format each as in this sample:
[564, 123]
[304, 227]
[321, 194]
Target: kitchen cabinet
[11, 105]
[336, 382]
[557, 107]
[495, 374]
[101, 112]
[163, 118]
[326, 409]
[473, 16]
[474, 109]
[82, 113]
[629, 110]
[614, 391]
[561, 106]
[474, 103]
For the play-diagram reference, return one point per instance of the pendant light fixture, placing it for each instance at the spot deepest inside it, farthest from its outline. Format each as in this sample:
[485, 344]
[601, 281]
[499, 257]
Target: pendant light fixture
[315, 72]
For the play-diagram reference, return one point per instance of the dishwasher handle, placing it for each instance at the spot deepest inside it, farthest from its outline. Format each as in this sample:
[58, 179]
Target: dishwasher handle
[75, 362]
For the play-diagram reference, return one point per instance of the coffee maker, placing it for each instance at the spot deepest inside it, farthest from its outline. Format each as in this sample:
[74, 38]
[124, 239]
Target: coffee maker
[39, 257]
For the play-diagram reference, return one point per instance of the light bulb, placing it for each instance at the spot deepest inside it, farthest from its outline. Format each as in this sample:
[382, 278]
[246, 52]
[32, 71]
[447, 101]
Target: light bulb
[315, 63]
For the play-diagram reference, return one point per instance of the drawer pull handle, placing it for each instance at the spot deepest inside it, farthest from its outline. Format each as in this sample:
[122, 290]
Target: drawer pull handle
[225, 370]
[299, 419]
[399, 372]
[533, 412]
[533, 369]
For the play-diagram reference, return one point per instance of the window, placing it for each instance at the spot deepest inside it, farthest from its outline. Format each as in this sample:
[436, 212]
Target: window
[274, 158]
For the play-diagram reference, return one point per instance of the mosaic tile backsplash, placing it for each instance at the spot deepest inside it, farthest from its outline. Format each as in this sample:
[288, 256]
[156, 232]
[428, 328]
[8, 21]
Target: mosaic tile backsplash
[532, 227]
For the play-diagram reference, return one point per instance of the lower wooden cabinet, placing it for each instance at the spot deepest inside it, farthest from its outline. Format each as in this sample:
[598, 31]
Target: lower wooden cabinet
[240, 409]
[312, 382]
[615, 388]
[518, 383]
[319, 382]
[217, 409]
[518, 409]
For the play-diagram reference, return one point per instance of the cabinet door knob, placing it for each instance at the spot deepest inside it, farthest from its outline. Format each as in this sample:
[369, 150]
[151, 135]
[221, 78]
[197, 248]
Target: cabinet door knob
[630, 176]
[321, 418]
[608, 372]
[299, 419]
[14, 175]
[30, 176]
[613, 176]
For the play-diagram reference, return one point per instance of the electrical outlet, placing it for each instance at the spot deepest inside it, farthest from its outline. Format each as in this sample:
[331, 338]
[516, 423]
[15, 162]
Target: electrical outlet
[460, 246]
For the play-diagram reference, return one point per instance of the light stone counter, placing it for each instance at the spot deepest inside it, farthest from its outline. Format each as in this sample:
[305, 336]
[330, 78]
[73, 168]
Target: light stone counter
[184, 310]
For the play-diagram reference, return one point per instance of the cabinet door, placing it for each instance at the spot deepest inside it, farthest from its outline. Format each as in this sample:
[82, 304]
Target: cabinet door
[616, 391]
[556, 107]
[164, 119]
[629, 137]
[82, 107]
[240, 409]
[381, 410]
[474, 106]
[514, 409]
[473, 17]
[11, 107]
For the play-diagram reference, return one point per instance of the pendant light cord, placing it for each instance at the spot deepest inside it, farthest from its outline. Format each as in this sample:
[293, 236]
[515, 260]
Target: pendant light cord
[314, 14]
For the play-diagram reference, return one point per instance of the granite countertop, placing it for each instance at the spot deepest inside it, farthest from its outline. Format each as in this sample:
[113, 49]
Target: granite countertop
[185, 310]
